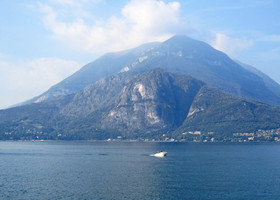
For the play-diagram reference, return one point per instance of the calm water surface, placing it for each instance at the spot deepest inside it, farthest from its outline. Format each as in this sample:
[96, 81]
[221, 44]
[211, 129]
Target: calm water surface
[125, 170]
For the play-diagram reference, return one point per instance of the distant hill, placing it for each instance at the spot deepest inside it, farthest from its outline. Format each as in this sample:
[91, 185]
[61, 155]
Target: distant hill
[139, 105]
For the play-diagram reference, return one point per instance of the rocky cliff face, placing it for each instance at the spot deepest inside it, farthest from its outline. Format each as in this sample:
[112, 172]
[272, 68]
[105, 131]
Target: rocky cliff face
[131, 103]
[152, 102]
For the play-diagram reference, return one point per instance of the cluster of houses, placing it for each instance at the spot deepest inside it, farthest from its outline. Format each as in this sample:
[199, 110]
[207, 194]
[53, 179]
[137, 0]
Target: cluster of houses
[265, 135]
[29, 134]
[258, 136]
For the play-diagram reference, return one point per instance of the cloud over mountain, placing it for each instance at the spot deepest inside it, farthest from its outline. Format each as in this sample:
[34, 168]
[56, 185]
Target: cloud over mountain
[139, 22]
[230, 45]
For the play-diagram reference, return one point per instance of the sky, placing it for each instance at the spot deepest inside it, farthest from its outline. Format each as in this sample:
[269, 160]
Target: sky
[44, 41]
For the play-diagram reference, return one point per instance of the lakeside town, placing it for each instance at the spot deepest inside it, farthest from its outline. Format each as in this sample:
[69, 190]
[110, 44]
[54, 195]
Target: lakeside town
[272, 135]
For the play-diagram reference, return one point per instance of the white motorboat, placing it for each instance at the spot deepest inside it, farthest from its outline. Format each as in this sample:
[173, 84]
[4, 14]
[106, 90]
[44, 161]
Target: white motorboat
[160, 154]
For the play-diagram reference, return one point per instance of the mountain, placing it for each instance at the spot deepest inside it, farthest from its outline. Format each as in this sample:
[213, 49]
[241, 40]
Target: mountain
[139, 105]
[181, 55]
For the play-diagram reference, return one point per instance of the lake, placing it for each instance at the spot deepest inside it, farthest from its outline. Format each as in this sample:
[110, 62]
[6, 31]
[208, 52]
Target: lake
[125, 170]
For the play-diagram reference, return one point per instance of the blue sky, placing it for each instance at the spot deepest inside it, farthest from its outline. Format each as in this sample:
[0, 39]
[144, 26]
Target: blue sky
[44, 41]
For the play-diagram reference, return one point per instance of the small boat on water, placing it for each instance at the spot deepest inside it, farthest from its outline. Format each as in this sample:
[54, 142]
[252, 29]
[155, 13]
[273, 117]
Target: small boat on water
[160, 154]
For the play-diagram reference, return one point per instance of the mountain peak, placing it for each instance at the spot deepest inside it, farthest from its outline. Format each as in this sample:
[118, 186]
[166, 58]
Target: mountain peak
[179, 37]
[184, 41]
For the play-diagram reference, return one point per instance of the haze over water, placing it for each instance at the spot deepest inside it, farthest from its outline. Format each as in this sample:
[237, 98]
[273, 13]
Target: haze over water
[125, 170]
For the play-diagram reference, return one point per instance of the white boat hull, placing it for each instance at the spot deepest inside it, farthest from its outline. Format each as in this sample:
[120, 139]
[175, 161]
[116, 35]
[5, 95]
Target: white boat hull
[160, 154]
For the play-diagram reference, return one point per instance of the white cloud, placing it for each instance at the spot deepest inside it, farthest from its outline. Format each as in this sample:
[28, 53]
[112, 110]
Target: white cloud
[151, 17]
[140, 22]
[230, 45]
[24, 80]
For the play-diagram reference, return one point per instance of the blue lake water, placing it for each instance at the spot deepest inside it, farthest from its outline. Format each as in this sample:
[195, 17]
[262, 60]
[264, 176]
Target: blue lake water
[125, 170]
